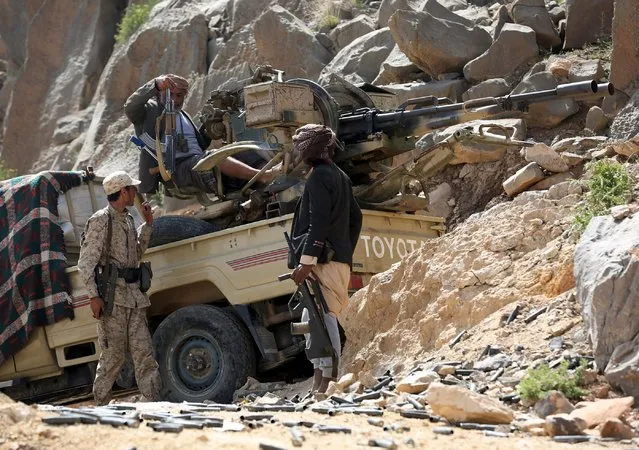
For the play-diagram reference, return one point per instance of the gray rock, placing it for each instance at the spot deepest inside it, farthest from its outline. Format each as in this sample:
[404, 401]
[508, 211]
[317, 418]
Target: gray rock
[397, 68]
[515, 46]
[587, 21]
[596, 119]
[288, 44]
[554, 402]
[546, 157]
[533, 13]
[585, 70]
[346, 32]
[489, 88]
[493, 362]
[624, 66]
[547, 114]
[523, 179]
[606, 275]
[425, 40]
[388, 7]
[564, 425]
[626, 123]
[557, 13]
[359, 61]
[503, 17]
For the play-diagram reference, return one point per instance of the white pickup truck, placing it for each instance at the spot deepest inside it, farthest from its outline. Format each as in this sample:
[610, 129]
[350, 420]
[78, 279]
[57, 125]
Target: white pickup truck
[218, 313]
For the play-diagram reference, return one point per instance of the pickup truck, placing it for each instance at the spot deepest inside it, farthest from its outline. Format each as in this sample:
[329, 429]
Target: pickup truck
[218, 312]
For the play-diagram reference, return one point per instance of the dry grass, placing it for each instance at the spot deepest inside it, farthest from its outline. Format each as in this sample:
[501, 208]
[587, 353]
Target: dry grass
[325, 13]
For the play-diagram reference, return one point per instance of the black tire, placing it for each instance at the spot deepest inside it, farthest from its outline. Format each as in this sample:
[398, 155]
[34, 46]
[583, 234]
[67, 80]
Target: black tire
[167, 229]
[250, 368]
[203, 354]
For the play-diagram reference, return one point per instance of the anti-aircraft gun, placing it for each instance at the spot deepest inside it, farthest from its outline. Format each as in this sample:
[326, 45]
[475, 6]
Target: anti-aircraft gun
[262, 117]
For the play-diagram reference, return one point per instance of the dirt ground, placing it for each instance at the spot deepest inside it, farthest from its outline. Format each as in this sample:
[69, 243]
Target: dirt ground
[32, 434]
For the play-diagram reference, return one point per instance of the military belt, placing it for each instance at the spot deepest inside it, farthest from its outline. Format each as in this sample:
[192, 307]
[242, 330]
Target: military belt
[130, 275]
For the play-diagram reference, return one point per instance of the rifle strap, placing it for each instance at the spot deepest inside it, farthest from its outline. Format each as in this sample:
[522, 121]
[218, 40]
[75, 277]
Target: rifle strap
[107, 243]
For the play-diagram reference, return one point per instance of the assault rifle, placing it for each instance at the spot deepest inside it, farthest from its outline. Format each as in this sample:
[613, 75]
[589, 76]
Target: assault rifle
[321, 346]
[166, 156]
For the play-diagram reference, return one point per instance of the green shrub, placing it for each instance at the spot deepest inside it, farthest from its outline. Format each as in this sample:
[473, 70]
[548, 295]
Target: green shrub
[134, 17]
[609, 185]
[538, 382]
[5, 172]
[329, 21]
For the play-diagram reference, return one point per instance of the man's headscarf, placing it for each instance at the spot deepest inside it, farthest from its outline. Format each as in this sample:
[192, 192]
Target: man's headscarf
[314, 142]
[180, 83]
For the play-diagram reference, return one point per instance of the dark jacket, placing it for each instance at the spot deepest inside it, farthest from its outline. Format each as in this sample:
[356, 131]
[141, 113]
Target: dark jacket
[143, 109]
[327, 218]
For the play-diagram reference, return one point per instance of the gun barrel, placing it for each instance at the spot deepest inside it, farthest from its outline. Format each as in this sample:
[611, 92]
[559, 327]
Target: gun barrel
[402, 122]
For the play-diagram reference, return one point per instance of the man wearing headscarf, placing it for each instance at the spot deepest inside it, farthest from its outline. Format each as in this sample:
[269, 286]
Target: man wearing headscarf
[145, 105]
[325, 231]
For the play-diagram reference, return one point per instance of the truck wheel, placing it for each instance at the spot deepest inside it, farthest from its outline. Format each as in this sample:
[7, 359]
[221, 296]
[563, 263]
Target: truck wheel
[202, 354]
[167, 229]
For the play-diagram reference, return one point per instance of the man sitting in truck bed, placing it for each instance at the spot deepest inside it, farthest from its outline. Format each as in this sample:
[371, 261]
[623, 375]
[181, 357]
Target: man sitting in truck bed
[143, 108]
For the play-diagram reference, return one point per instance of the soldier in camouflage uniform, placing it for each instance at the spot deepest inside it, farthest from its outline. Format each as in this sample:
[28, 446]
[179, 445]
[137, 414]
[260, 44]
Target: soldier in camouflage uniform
[126, 328]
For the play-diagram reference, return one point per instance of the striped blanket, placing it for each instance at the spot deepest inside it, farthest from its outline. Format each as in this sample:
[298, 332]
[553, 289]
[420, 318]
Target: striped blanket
[34, 288]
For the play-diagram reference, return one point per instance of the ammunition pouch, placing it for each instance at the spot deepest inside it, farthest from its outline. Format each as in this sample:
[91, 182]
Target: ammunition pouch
[146, 274]
[105, 280]
[130, 275]
[142, 274]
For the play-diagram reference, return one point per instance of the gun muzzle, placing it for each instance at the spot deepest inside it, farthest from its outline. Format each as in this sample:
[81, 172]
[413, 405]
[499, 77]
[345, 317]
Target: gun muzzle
[300, 328]
[585, 89]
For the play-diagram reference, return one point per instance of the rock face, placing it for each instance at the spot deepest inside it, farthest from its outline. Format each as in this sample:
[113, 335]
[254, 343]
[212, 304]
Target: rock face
[607, 273]
[57, 77]
[587, 21]
[426, 41]
[452, 283]
[288, 44]
[624, 67]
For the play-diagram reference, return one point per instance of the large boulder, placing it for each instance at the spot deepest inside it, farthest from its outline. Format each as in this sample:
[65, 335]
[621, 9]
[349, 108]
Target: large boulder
[388, 7]
[398, 69]
[437, 45]
[626, 123]
[61, 57]
[346, 32]
[516, 45]
[624, 67]
[359, 61]
[285, 42]
[550, 113]
[533, 13]
[587, 21]
[607, 275]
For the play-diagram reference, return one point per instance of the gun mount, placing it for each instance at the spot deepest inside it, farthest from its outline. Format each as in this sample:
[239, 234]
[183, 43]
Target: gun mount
[262, 117]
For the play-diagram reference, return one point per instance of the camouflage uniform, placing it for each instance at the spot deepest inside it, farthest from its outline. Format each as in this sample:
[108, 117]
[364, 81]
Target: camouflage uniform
[126, 328]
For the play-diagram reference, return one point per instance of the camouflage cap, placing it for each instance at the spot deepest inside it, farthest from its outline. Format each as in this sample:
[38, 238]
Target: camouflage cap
[112, 183]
